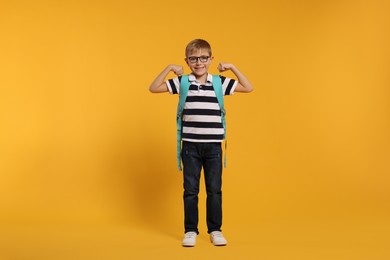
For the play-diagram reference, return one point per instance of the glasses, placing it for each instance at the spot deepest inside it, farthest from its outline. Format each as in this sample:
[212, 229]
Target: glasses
[194, 59]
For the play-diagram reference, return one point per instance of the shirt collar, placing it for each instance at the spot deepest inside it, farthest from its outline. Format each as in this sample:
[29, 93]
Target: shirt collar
[209, 80]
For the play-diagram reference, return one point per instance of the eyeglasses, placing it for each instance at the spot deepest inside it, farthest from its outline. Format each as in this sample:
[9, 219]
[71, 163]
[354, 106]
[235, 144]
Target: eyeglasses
[194, 59]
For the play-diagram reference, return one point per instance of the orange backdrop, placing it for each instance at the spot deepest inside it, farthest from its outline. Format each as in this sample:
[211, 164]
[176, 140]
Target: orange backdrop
[82, 141]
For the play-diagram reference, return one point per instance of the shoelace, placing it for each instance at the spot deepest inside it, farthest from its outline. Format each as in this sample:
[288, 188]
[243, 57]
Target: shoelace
[190, 235]
[217, 234]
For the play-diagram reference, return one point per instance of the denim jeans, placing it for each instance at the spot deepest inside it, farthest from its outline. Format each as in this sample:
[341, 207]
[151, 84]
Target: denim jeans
[194, 157]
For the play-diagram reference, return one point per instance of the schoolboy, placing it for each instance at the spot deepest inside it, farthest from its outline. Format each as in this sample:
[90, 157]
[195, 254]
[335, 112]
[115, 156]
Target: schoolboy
[202, 135]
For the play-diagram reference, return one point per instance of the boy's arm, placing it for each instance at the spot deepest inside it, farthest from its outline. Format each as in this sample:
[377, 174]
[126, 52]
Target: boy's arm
[158, 85]
[243, 83]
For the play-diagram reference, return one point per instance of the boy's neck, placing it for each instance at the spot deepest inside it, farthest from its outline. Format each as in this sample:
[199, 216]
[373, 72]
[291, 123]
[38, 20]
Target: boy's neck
[201, 79]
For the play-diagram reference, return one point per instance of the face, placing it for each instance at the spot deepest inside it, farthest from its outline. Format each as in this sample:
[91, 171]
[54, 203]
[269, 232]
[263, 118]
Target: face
[199, 62]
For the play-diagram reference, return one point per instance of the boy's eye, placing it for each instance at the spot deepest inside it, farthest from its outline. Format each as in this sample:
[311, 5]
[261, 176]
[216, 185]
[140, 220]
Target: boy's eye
[204, 58]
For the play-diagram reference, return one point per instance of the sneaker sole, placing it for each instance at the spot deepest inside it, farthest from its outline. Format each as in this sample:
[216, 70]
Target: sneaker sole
[188, 245]
[220, 244]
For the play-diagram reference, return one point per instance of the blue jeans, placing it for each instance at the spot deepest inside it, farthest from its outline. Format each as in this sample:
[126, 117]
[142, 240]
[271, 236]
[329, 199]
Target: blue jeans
[194, 157]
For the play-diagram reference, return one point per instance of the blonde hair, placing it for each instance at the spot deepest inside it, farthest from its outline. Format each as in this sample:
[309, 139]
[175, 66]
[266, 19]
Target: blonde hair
[198, 44]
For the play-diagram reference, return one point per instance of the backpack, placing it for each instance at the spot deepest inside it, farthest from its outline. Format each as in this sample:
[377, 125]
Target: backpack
[184, 86]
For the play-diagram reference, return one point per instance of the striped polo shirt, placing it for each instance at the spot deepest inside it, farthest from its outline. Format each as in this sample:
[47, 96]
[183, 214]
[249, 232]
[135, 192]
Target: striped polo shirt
[202, 120]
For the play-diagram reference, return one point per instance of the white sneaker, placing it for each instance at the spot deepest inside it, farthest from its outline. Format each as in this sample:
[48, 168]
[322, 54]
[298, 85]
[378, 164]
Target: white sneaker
[217, 238]
[189, 239]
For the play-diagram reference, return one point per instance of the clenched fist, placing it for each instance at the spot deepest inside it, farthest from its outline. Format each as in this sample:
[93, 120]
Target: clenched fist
[223, 66]
[177, 69]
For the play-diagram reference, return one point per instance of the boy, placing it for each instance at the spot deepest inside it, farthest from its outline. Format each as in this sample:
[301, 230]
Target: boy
[202, 135]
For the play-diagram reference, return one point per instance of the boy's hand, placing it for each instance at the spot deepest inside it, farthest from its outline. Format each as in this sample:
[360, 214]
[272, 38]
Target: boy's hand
[223, 66]
[177, 69]
[243, 83]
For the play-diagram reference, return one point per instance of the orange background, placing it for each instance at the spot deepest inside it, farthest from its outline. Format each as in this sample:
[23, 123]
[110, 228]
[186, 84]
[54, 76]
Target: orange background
[87, 154]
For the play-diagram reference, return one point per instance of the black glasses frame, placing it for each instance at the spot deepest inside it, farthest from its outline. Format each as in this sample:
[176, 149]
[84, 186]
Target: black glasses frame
[194, 59]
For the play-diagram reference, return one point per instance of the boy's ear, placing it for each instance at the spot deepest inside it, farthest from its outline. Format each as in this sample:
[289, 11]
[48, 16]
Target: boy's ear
[185, 59]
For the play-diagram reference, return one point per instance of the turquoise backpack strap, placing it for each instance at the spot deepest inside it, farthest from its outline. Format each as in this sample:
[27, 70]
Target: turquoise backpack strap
[217, 85]
[184, 86]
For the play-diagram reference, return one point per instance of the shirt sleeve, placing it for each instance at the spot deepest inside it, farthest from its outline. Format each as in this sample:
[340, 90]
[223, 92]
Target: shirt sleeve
[173, 85]
[228, 85]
